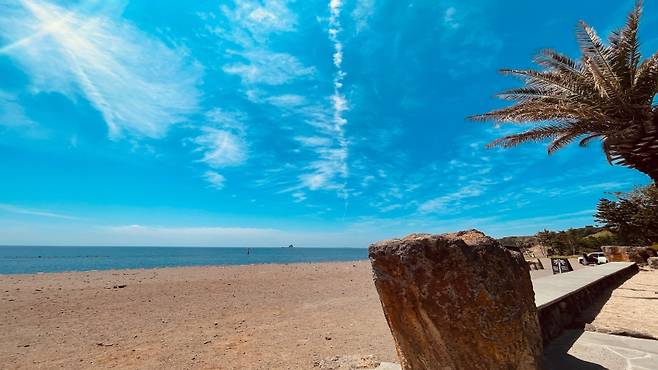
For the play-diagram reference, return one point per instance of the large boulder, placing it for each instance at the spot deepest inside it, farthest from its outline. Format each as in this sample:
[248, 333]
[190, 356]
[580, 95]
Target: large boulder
[653, 262]
[457, 301]
[639, 255]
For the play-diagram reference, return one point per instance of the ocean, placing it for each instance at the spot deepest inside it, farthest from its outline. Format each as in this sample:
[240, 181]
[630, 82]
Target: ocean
[30, 260]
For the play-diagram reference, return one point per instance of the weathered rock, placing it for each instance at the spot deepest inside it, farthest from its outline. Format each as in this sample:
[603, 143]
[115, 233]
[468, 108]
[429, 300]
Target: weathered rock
[638, 255]
[457, 301]
[653, 262]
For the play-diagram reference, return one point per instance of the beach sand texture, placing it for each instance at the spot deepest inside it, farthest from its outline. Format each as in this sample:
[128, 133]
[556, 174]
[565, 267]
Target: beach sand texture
[240, 317]
[231, 317]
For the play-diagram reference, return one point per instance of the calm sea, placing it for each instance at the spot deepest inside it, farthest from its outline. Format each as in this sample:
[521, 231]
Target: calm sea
[28, 260]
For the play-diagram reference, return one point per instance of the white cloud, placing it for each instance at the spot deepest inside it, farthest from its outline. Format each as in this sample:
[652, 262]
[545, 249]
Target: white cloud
[390, 208]
[218, 117]
[215, 179]
[444, 202]
[220, 148]
[12, 114]
[251, 23]
[269, 68]
[212, 235]
[314, 141]
[299, 196]
[251, 28]
[154, 235]
[332, 162]
[34, 212]
[138, 84]
[222, 143]
[362, 13]
[287, 100]
[323, 173]
[449, 18]
[255, 20]
[367, 180]
[467, 38]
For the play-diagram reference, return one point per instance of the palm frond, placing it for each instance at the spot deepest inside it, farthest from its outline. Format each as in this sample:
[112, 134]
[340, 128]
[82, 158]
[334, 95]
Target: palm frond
[537, 110]
[624, 46]
[598, 79]
[646, 81]
[571, 72]
[550, 58]
[596, 59]
[543, 79]
[584, 142]
[536, 134]
[526, 93]
[563, 140]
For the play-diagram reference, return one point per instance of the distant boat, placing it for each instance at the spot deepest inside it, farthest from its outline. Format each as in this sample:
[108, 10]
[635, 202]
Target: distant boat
[291, 246]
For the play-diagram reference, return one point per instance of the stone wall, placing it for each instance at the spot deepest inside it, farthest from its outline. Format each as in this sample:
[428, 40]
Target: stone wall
[565, 313]
[638, 255]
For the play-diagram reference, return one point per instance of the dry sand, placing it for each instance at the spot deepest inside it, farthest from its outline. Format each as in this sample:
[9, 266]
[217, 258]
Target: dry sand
[247, 317]
[240, 317]
[630, 309]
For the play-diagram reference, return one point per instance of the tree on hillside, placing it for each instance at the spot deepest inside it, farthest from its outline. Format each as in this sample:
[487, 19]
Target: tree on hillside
[633, 216]
[607, 96]
[575, 241]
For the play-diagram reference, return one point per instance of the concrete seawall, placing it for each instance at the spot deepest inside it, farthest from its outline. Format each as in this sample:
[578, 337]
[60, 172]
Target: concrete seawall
[561, 298]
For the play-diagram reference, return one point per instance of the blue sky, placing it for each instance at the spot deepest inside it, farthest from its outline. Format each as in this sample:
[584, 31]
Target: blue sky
[264, 123]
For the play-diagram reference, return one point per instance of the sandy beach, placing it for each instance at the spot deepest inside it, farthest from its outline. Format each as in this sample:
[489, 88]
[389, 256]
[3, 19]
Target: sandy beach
[244, 317]
[232, 317]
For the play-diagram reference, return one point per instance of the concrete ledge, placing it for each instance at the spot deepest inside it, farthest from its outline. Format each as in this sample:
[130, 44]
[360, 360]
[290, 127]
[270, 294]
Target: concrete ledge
[560, 298]
[577, 349]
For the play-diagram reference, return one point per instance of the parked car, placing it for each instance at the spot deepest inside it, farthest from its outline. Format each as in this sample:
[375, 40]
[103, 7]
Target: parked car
[595, 258]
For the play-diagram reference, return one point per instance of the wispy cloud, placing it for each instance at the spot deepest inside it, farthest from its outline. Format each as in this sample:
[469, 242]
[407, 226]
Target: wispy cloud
[363, 11]
[11, 113]
[265, 67]
[289, 101]
[14, 117]
[256, 20]
[449, 18]
[468, 40]
[140, 85]
[215, 179]
[268, 73]
[222, 143]
[251, 24]
[333, 156]
[34, 212]
[220, 148]
[299, 196]
[451, 200]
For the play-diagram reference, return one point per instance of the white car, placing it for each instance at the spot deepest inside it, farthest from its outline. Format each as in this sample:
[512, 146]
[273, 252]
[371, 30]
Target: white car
[594, 257]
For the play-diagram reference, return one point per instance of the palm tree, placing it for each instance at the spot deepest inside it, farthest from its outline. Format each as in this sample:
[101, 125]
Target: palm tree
[607, 95]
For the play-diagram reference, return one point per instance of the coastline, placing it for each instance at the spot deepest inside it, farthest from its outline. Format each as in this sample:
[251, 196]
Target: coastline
[32, 260]
[146, 269]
